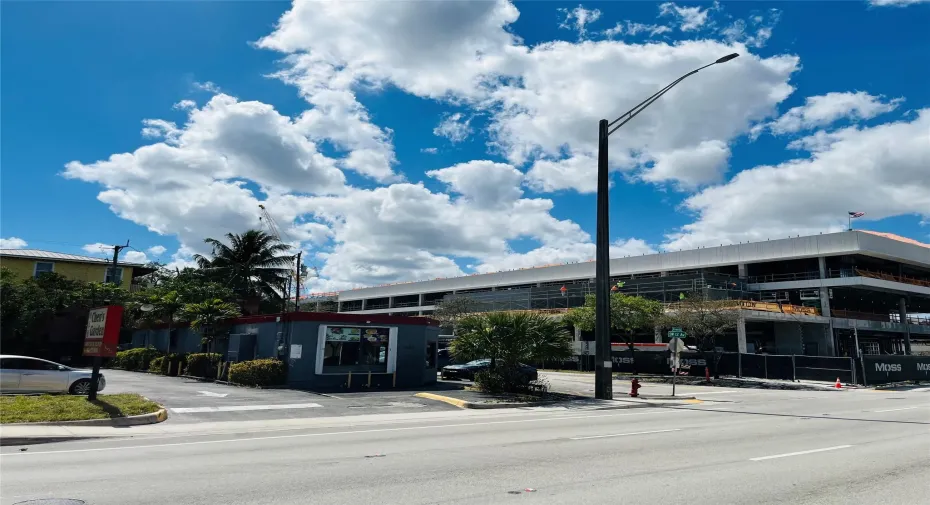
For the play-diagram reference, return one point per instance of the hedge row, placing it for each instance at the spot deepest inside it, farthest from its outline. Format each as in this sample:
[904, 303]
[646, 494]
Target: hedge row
[135, 359]
[258, 372]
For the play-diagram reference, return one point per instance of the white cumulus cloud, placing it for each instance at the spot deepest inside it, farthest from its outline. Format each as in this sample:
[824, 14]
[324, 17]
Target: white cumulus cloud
[822, 110]
[12, 243]
[858, 169]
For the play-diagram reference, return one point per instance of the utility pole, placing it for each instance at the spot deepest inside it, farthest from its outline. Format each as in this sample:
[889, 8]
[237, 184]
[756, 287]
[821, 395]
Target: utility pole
[95, 374]
[297, 292]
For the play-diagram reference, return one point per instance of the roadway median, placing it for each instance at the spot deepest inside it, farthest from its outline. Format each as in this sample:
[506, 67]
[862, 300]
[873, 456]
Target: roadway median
[46, 418]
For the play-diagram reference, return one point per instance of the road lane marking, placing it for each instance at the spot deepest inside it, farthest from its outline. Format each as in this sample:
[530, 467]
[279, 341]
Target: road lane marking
[903, 408]
[211, 393]
[624, 434]
[337, 433]
[799, 453]
[237, 408]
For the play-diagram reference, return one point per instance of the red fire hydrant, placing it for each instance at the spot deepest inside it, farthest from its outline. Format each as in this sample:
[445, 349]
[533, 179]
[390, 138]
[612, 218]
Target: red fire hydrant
[634, 387]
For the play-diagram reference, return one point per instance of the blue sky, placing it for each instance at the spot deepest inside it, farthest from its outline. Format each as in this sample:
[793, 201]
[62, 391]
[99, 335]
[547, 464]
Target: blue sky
[443, 138]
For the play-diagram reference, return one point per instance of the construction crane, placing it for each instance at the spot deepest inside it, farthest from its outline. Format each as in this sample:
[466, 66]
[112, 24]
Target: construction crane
[265, 220]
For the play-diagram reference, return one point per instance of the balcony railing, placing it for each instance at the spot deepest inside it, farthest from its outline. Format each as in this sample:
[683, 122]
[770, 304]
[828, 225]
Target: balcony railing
[784, 277]
[398, 305]
[893, 278]
[885, 318]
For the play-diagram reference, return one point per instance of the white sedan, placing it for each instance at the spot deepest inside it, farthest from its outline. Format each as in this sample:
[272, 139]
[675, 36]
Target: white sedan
[24, 374]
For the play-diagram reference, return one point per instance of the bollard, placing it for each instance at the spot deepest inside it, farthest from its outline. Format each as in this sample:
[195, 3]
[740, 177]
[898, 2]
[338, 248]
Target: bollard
[369, 379]
[349, 383]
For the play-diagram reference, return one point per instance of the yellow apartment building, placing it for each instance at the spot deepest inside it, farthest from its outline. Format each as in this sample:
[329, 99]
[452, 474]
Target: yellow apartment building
[32, 262]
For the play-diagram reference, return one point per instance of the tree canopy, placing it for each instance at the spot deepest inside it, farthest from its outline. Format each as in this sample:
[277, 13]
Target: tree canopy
[627, 314]
[509, 338]
[255, 265]
[452, 309]
[703, 320]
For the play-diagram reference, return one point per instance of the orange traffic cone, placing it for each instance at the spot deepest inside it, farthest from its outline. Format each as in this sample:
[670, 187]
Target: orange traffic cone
[838, 384]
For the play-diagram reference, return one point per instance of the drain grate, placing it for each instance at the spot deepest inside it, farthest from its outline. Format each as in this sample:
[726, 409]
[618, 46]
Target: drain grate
[52, 501]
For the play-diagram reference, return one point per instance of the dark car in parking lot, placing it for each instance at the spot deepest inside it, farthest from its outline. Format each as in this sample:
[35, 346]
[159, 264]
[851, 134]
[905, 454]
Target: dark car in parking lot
[468, 370]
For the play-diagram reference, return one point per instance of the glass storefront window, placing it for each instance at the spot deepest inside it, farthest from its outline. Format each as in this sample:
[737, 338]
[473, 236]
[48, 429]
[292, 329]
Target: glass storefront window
[351, 348]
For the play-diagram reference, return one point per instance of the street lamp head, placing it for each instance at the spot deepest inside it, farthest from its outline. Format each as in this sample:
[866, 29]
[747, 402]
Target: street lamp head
[727, 58]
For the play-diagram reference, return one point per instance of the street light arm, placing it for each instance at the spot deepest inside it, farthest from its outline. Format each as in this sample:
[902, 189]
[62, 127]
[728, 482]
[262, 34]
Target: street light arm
[630, 114]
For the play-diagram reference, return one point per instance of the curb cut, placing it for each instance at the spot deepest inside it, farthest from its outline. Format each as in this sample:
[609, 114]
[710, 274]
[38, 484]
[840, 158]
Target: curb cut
[158, 416]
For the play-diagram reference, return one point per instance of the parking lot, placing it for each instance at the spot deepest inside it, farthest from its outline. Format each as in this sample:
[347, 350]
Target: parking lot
[191, 401]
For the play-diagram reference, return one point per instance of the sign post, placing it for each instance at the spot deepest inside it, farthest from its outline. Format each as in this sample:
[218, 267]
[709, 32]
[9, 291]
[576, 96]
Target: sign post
[675, 346]
[101, 339]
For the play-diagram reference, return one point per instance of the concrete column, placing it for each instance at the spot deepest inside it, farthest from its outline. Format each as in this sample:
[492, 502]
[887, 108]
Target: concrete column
[420, 300]
[828, 347]
[391, 302]
[338, 306]
[741, 334]
[658, 335]
[741, 269]
[822, 265]
[902, 312]
[825, 302]
[577, 334]
[364, 304]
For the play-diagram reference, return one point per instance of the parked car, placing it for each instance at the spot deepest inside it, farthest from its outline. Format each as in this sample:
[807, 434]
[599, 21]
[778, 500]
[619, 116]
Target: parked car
[24, 374]
[468, 370]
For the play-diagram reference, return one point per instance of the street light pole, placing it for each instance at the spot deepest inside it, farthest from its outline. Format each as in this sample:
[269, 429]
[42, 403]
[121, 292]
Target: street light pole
[603, 366]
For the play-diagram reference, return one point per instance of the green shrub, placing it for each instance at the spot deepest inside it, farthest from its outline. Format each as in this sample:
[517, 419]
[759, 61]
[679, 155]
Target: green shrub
[135, 359]
[506, 380]
[203, 364]
[159, 365]
[258, 372]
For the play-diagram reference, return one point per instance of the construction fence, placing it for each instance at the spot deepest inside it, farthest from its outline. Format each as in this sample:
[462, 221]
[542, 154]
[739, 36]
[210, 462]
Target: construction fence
[867, 370]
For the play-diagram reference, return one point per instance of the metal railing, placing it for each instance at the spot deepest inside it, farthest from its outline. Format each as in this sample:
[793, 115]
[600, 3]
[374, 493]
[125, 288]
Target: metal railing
[784, 277]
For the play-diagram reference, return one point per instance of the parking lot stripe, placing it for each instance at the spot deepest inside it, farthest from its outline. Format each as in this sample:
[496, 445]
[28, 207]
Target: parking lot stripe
[237, 408]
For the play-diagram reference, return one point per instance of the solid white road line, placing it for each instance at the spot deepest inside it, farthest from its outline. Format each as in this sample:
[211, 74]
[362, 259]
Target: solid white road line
[336, 433]
[903, 408]
[799, 453]
[237, 408]
[624, 434]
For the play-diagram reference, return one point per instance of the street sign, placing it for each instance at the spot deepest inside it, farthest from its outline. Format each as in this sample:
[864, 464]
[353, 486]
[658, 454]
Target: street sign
[677, 333]
[102, 335]
[676, 345]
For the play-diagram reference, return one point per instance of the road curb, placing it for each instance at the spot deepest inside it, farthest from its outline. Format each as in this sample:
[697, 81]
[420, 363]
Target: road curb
[158, 416]
[464, 404]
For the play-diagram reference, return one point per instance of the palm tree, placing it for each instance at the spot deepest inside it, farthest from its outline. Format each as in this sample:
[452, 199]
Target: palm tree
[508, 339]
[254, 264]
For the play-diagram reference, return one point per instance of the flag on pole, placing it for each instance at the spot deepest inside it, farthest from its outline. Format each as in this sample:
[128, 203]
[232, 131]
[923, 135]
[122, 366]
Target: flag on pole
[853, 215]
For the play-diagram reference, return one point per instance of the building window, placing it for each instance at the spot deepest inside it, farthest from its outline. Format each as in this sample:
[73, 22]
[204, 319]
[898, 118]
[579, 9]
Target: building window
[355, 349]
[43, 267]
[113, 275]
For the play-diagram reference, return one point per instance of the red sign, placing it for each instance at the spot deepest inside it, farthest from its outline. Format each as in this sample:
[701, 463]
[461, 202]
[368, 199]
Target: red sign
[102, 335]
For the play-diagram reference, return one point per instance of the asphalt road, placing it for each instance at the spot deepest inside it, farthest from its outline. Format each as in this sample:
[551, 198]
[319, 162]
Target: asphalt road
[192, 401]
[759, 447]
